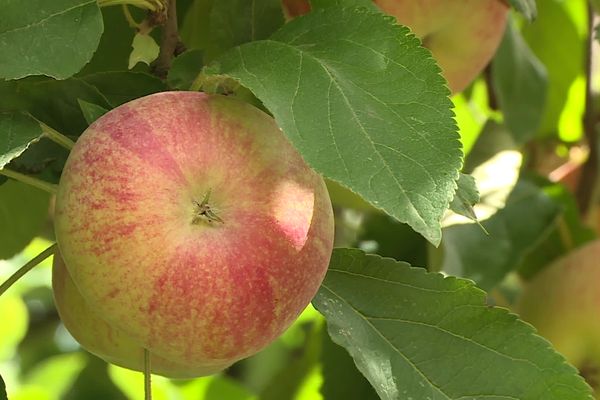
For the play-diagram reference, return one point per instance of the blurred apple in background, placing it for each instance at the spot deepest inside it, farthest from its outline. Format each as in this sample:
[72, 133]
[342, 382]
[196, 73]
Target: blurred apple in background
[463, 35]
[563, 303]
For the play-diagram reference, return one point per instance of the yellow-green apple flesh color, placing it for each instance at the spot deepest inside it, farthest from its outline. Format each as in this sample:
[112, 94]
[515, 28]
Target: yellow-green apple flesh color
[563, 303]
[462, 35]
[191, 224]
[101, 338]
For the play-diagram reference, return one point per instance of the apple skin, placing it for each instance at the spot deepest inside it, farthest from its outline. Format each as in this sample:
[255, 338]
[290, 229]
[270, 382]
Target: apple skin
[463, 35]
[102, 339]
[197, 292]
[563, 303]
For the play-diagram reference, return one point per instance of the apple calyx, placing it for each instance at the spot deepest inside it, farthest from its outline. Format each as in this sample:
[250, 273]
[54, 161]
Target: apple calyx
[204, 212]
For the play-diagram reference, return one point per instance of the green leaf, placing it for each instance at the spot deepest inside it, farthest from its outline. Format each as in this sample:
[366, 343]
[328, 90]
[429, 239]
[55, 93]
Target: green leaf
[195, 30]
[341, 379]
[526, 7]
[289, 380]
[17, 132]
[345, 3]
[13, 309]
[234, 22]
[54, 38]
[24, 209]
[383, 235]
[119, 87]
[90, 111]
[115, 44]
[420, 335]
[466, 197]
[562, 71]
[185, 68]
[365, 105]
[145, 50]
[526, 219]
[52, 102]
[520, 82]
[567, 233]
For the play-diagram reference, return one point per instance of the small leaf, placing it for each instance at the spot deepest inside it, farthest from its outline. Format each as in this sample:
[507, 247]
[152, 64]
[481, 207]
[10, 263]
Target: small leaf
[521, 82]
[420, 335]
[91, 111]
[366, 106]
[24, 209]
[526, 7]
[17, 132]
[54, 38]
[144, 50]
[185, 68]
[466, 197]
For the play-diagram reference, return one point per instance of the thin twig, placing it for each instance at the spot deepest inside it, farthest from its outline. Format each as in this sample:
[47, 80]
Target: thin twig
[27, 267]
[57, 137]
[30, 180]
[587, 185]
[168, 45]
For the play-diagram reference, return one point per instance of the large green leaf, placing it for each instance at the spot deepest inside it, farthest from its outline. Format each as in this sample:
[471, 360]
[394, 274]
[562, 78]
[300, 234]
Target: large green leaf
[520, 82]
[24, 210]
[420, 335]
[365, 105]
[17, 132]
[54, 38]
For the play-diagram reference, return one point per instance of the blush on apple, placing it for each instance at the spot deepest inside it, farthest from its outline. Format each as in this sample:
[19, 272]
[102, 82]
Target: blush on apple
[190, 224]
[462, 35]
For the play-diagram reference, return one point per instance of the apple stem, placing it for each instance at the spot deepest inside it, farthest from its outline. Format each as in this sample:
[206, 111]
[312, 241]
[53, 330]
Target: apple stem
[30, 180]
[27, 267]
[56, 136]
[147, 376]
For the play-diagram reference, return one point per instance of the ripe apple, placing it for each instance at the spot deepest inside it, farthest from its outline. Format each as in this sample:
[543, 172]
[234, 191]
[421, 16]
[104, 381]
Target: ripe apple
[462, 35]
[563, 303]
[191, 224]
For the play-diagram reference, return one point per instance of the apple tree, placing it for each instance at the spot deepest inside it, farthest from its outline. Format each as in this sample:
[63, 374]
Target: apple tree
[294, 199]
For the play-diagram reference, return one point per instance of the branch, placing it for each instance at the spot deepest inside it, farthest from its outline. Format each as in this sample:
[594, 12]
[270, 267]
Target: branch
[27, 267]
[589, 175]
[170, 39]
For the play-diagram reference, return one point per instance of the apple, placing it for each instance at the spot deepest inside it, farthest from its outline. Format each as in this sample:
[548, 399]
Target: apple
[189, 223]
[563, 303]
[462, 35]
